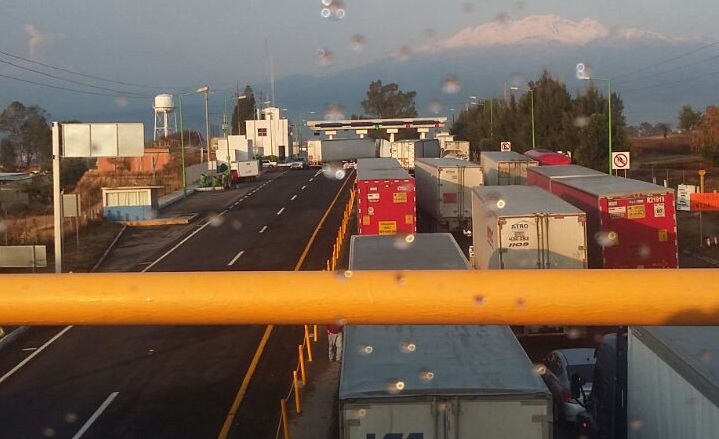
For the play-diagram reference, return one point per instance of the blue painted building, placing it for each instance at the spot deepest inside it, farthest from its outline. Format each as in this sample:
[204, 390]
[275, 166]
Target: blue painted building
[130, 203]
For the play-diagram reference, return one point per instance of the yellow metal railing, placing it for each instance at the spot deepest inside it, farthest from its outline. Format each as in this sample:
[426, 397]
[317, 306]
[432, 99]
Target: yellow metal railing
[333, 261]
[516, 297]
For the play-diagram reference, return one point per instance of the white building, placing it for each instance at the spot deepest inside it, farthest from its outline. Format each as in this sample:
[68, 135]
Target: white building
[269, 135]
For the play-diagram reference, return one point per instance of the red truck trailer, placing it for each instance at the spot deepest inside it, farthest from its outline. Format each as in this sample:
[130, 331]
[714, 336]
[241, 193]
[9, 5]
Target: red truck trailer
[385, 198]
[546, 157]
[631, 223]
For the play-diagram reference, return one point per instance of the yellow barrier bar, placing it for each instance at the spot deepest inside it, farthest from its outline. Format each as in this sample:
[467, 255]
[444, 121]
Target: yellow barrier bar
[296, 387]
[307, 343]
[283, 411]
[515, 297]
[303, 374]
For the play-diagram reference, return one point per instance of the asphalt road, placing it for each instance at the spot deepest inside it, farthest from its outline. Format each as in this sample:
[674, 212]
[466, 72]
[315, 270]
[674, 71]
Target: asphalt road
[180, 382]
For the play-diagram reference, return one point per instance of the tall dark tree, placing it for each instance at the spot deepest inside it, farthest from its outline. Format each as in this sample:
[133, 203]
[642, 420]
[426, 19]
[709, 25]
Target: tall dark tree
[688, 118]
[705, 137]
[8, 155]
[244, 110]
[387, 101]
[28, 131]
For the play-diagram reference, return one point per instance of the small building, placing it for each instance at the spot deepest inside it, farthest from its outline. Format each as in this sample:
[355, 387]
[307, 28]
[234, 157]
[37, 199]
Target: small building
[130, 203]
[270, 136]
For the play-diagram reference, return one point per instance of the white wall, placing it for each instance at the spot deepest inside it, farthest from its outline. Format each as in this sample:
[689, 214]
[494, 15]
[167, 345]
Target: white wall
[277, 132]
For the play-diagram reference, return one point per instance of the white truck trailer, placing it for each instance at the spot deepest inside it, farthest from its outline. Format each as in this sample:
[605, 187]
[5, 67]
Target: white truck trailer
[435, 382]
[456, 148]
[525, 227]
[444, 191]
[504, 167]
[339, 150]
[673, 382]
[406, 151]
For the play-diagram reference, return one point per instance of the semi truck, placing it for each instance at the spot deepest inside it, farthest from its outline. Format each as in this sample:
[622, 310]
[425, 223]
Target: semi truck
[524, 227]
[444, 191]
[406, 151]
[456, 148]
[543, 176]
[385, 198]
[504, 167]
[339, 150]
[631, 223]
[243, 170]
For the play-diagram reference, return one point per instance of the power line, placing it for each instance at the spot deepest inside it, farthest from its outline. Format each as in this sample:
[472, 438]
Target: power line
[57, 87]
[672, 82]
[673, 69]
[98, 78]
[674, 58]
[70, 80]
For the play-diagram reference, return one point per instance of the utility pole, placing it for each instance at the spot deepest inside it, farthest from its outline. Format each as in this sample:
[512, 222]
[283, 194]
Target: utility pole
[207, 123]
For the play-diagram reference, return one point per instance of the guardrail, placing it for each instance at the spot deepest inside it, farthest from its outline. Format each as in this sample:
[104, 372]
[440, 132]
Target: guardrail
[333, 261]
[296, 386]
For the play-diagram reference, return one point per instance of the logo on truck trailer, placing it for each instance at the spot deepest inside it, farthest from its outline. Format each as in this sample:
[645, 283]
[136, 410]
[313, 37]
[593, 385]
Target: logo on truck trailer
[397, 436]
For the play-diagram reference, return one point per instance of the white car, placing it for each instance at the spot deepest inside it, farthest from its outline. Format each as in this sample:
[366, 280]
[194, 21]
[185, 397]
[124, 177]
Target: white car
[561, 365]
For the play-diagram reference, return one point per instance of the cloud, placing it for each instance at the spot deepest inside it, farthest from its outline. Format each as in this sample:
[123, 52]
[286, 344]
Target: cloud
[541, 29]
[37, 39]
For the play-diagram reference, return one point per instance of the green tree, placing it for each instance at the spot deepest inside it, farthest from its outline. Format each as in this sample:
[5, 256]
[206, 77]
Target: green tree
[688, 118]
[8, 155]
[705, 137]
[244, 110]
[388, 101]
[592, 150]
[29, 132]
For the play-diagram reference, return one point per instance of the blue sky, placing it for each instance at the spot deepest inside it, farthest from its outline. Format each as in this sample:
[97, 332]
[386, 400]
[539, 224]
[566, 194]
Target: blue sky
[182, 43]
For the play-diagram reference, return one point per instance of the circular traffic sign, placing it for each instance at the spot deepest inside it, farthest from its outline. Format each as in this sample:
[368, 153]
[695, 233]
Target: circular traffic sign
[620, 161]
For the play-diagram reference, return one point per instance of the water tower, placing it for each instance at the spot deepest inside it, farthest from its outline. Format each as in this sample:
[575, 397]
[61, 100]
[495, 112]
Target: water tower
[165, 117]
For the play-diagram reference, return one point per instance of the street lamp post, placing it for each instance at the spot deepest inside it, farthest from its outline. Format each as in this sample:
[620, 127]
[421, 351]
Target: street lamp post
[584, 75]
[205, 89]
[531, 100]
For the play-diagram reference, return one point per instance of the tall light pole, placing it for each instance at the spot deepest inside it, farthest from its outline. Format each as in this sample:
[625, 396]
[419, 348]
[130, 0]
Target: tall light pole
[206, 91]
[531, 99]
[582, 73]
[226, 127]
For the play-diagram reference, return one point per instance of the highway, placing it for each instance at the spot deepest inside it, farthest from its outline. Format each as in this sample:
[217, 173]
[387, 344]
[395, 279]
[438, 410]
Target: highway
[181, 382]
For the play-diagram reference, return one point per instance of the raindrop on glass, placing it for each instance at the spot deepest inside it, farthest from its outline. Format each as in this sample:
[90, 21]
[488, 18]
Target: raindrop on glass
[517, 80]
[324, 57]
[326, 2]
[479, 300]
[358, 42]
[520, 302]
[347, 274]
[451, 85]
[580, 121]
[334, 112]
[70, 418]
[325, 13]
[435, 106]
[400, 279]
[644, 251]
[341, 321]
[48, 432]
[636, 424]
[340, 13]
[501, 204]
[237, 224]
[403, 242]
[426, 375]
[574, 333]
[539, 369]
[408, 347]
[395, 386]
[361, 413]
[606, 239]
[366, 349]
[216, 220]
[402, 53]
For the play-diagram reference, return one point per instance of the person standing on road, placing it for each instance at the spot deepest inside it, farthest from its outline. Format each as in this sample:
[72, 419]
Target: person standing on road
[334, 340]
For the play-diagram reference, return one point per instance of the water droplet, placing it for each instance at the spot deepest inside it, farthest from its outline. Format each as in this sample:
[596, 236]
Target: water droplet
[48, 432]
[325, 13]
[400, 279]
[216, 220]
[70, 418]
[403, 242]
[334, 9]
[326, 2]
[426, 375]
[121, 101]
[517, 80]
[479, 300]
[606, 239]
[348, 274]
[237, 224]
[574, 333]
[361, 413]
[644, 251]
[340, 13]
[148, 299]
[502, 18]
[358, 42]
[501, 204]
[580, 121]
[451, 84]
[408, 347]
[334, 112]
[366, 349]
[435, 106]
[636, 424]
[150, 352]
[340, 174]
[584, 70]
[705, 356]
[402, 53]
[468, 8]
[324, 57]
[520, 302]
[395, 386]
[539, 369]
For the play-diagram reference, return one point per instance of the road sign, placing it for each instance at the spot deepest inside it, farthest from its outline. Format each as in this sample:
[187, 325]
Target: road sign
[103, 139]
[684, 192]
[620, 160]
[704, 202]
[505, 146]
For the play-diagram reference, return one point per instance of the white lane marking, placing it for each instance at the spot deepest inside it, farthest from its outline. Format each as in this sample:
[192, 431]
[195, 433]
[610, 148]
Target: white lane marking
[312, 178]
[303, 187]
[262, 230]
[31, 356]
[293, 197]
[29, 349]
[175, 247]
[279, 212]
[223, 212]
[232, 262]
[96, 415]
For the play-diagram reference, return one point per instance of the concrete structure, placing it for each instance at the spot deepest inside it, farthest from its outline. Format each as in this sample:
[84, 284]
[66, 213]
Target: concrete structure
[271, 134]
[391, 126]
[130, 203]
[165, 117]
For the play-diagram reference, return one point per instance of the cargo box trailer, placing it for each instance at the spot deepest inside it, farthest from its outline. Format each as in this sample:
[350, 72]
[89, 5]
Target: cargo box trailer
[524, 227]
[385, 198]
[406, 151]
[424, 251]
[444, 191]
[339, 150]
[440, 382]
[247, 168]
[543, 176]
[504, 167]
[546, 157]
[631, 223]
[456, 148]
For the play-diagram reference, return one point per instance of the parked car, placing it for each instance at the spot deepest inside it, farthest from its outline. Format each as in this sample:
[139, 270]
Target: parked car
[268, 164]
[298, 163]
[561, 365]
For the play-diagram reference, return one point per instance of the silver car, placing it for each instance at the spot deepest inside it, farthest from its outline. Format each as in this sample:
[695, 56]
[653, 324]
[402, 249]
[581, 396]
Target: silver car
[561, 365]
